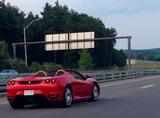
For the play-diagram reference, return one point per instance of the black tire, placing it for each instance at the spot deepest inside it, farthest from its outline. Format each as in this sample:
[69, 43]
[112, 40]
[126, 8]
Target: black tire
[67, 97]
[16, 105]
[94, 93]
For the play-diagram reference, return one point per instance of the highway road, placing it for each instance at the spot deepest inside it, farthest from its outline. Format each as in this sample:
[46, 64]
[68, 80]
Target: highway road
[134, 98]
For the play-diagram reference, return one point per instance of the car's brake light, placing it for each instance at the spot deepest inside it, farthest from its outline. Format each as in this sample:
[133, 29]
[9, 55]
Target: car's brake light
[11, 82]
[53, 81]
[48, 81]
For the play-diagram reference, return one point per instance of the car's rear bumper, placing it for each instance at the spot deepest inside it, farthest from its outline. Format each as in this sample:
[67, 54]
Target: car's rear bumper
[36, 99]
[41, 93]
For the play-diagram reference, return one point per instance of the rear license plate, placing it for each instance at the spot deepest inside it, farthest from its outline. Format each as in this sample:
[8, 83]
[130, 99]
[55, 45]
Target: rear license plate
[28, 92]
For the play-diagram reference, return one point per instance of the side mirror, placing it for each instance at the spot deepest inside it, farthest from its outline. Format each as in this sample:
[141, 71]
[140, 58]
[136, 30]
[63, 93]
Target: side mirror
[87, 76]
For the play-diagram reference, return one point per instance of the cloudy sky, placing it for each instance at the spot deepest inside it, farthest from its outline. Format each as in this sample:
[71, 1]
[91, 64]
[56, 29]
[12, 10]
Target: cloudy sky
[138, 18]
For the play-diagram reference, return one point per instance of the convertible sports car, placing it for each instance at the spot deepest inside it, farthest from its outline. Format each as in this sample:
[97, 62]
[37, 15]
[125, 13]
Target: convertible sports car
[62, 86]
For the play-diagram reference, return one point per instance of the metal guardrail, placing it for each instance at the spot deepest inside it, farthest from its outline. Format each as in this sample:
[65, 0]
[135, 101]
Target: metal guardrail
[116, 75]
[101, 76]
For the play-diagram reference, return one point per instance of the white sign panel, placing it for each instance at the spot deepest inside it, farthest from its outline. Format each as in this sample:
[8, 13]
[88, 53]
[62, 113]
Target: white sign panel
[72, 37]
[56, 46]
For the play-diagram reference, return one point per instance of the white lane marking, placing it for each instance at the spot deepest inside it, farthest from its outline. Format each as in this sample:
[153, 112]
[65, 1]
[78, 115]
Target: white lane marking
[148, 86]
[129, 81]
[4, 103]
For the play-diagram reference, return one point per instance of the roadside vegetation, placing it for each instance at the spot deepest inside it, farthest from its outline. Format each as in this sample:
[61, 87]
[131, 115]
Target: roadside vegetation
[85, 62]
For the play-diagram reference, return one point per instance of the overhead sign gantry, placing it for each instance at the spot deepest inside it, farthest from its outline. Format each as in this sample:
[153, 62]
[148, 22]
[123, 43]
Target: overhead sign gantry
[68, 41]
[79, 41]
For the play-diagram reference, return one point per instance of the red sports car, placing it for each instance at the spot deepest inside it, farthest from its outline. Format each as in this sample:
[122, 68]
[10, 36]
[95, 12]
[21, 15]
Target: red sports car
[64, 86]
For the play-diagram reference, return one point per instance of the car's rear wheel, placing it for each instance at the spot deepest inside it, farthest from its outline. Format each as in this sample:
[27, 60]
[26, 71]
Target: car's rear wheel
[16, 105]
[67, 101]
[94, 93]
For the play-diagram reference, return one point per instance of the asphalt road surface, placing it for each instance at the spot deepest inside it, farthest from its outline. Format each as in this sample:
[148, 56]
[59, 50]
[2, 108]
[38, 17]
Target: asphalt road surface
[134, 98]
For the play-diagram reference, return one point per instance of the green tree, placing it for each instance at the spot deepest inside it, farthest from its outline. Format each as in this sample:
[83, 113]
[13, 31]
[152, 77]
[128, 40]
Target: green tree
[119, 58]
[51, 66]
[4, 56]
[140, 56]
[71, 58]
[157, 57]
[102, 53]
[19, 65]
[85, 62]
[35, 66]
[59, 19]
[11, 25]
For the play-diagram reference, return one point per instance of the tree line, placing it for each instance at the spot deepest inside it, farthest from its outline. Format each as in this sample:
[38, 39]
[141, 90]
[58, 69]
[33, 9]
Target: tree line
[59, 19]
[145, 54]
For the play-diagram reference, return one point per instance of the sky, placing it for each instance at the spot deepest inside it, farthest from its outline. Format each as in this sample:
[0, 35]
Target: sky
[138, 18]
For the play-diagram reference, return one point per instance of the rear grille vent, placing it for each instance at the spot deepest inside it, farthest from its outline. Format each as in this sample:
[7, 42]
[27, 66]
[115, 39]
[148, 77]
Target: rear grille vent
[30, 82]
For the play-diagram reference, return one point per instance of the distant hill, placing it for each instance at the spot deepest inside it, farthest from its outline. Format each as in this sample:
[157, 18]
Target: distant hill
[145, 54]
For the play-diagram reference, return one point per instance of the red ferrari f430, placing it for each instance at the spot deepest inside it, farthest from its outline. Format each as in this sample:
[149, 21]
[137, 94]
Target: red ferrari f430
[62, 86]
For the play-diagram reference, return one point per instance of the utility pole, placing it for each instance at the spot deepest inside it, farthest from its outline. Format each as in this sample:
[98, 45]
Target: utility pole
[129, 53]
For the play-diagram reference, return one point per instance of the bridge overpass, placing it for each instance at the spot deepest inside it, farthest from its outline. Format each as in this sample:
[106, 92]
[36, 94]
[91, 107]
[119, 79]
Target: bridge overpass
[129, 98]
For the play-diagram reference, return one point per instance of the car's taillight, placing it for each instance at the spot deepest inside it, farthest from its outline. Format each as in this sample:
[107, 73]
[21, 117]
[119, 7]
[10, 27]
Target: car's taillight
[53, 81]
[11, 82]
[49, 81]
